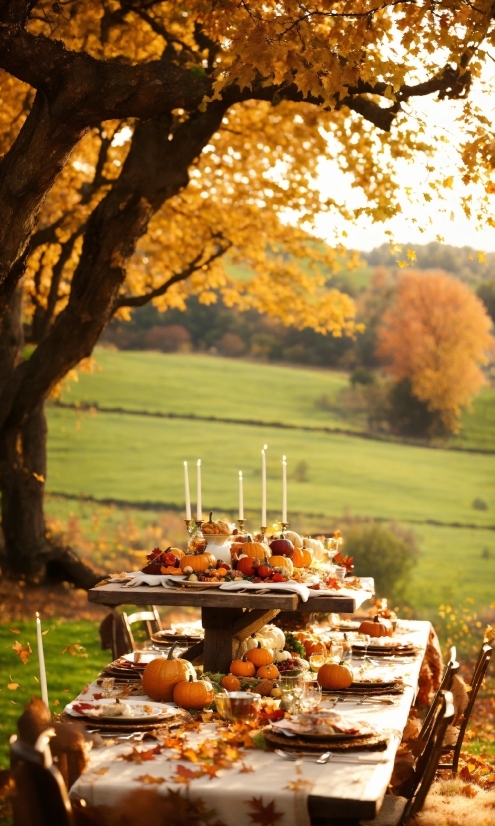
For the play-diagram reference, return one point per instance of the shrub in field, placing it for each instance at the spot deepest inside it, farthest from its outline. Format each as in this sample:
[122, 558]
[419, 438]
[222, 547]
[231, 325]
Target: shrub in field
[386, 552]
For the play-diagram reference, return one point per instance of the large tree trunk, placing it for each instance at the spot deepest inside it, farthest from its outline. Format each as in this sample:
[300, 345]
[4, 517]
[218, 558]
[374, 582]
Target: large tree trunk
[156, 168]
[26, 552]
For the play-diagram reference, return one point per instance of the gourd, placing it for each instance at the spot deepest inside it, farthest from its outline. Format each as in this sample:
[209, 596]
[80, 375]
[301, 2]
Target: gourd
[255, 550]
[162, 674]
[335, 676]
[268, 672]
[264, 688]
[302, 557]
[212, 528]
[259, 656]
[273, 636]
[193, 693]
[282, 562]
[282, 546]
[198, 562]
[242, 668]
[294, 538]
[281, 656]
[230, 683]
[314, 545]
[376, 628]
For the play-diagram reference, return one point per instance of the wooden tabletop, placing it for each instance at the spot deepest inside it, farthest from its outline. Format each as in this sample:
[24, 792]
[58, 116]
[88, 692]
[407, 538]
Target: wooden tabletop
[116, 594]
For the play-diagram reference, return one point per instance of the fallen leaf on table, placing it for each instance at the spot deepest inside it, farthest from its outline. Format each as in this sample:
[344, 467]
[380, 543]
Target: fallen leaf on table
[139, 756]
[185, 775]
[149, 779]
[264, 815]
[22, 652]
[95, 696]
[101, 771]
[299, 785]
[245, 769]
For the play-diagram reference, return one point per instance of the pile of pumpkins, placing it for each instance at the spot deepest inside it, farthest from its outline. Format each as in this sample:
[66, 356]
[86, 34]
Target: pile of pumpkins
[280, 557]
[256, 659]
[168, 678]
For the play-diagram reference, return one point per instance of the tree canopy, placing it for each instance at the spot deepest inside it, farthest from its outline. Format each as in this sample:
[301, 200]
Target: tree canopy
[141, 141]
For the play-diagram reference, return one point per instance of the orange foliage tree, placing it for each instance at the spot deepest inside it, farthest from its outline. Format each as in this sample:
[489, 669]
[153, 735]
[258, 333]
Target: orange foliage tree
[433, 340]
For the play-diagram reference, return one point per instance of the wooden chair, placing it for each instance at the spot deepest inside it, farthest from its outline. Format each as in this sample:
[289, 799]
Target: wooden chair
[451, 670]
[116, 632]
[150, 618]
[396, 811]
[479, 673]
[41, 797]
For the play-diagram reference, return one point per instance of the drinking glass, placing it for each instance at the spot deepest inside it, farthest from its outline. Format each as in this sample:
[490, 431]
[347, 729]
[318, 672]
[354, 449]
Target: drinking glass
[107, 686]
[336, 651]
[339, 573]
[347, 649]
[311, 697]
[316, 661]
[292, 688]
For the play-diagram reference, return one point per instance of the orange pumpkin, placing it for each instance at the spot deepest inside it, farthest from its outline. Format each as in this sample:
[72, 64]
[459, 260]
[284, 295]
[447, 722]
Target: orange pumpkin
[256, 550]
[376, 628]
[335, 676]
[177, 551]
[162, 674]
[193, 693]
[314, 647]
[245, 566]
[230, 682]
[302, 557]
[198, 562]
[267, 672]
[212, 528]
[259, 656]
[281, 562]
[242, 668]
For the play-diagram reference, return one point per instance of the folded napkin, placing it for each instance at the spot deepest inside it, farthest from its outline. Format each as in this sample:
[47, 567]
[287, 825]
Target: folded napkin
[151, 579]
[292, 587]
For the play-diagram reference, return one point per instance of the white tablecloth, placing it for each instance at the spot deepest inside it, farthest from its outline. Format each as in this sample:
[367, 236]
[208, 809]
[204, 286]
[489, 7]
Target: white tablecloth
[264, 788]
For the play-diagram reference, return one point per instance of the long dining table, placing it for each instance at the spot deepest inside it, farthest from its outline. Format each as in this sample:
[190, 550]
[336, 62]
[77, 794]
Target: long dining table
[259, 787]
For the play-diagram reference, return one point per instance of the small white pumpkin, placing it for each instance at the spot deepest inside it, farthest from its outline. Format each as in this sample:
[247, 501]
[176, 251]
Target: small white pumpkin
[252, 642]
[294, 538]
[281, 656]
[274, 636]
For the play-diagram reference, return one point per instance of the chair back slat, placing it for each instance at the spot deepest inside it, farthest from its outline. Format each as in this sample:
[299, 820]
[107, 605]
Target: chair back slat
[41, 796]
[431, 755]
[151, 618]
[451, 670]
[476, 682]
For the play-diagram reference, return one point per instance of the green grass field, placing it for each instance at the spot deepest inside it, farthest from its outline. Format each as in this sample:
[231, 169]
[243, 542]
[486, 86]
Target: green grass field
[227, 388]
[137, 459]
[66, 674]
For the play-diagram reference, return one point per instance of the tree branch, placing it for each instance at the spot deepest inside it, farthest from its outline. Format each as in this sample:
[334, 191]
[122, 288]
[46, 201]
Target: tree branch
[195, 265]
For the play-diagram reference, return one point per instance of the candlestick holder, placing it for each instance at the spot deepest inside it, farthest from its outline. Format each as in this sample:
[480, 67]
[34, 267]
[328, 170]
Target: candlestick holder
[263, 532]
[190, 525]
[284, 526]
[240, 524]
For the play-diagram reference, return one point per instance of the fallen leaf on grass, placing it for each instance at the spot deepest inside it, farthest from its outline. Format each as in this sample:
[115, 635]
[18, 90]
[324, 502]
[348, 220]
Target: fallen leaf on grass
[15, 630]
[149, 779]
[74, 650]
[13, 686]
[22, 652]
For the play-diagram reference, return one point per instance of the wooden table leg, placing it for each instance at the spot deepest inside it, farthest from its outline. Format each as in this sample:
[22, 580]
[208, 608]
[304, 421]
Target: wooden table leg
[218, 624]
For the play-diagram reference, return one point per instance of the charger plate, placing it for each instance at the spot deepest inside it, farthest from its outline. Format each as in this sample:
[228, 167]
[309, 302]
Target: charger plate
[371, 742]
[389, 688]
[167, 723]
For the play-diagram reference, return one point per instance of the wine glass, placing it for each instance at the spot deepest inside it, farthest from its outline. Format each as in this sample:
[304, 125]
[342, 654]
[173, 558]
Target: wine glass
[311, 697]
[316, 661]
[336, 651]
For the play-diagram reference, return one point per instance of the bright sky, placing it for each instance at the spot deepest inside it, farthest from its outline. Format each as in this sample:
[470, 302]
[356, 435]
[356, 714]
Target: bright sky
[459, 232]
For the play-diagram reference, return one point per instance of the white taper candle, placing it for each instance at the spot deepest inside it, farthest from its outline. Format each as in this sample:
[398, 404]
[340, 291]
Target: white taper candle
[284, 489]
[263, 486]
[241, 497]
[199, 510]
[41, 658]
[188, 495]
